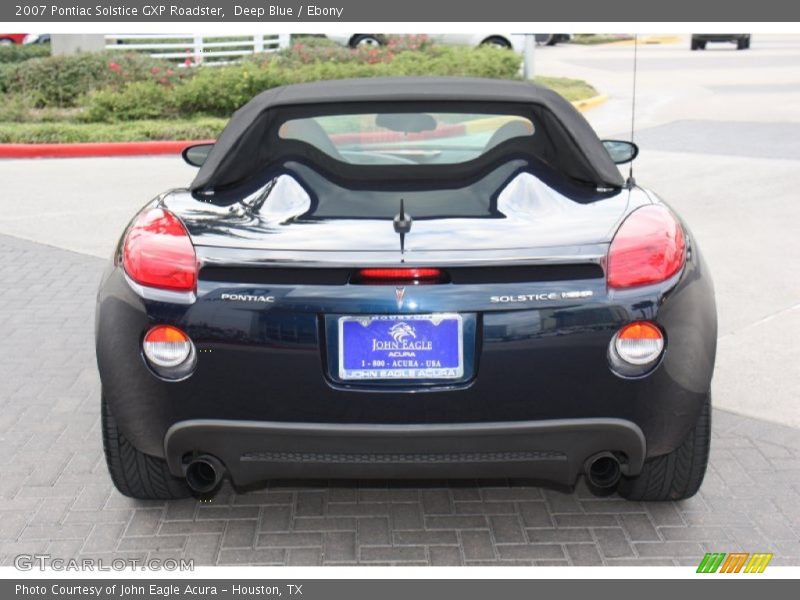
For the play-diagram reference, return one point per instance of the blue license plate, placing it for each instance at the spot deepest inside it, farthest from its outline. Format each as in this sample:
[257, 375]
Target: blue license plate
[401, 347]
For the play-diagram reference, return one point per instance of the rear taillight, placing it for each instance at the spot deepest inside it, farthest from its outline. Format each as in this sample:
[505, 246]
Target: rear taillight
[159, 253]
[647, 248]
[409, 276]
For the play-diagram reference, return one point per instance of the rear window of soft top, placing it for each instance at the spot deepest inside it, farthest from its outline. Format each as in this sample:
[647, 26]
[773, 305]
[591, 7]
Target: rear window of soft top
[407, 138]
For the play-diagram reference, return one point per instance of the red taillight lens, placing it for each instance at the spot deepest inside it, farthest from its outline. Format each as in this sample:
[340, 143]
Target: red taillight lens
[407, 275]
[158, 252]
[648, 248]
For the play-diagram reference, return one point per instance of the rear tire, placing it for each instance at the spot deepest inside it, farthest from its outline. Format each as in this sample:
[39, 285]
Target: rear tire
[134, 473]
[496, 42]
[677, 475]
[367, 40]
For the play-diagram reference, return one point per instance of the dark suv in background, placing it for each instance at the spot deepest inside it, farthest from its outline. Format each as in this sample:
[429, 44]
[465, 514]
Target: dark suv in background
[699, 40]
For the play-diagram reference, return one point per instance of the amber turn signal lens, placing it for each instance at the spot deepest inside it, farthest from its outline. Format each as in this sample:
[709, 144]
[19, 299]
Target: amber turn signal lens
[639, 343]
[167, 346]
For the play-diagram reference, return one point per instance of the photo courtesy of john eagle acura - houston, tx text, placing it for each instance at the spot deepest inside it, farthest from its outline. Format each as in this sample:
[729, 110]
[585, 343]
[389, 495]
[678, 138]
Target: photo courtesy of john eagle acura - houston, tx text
[407, 278]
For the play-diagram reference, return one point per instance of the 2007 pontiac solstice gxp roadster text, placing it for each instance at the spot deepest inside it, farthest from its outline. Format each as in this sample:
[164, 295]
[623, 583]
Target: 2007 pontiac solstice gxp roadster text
[409, 277]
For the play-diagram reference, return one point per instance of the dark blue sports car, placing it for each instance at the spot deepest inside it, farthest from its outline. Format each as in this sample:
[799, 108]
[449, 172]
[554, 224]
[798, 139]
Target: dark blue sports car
[411, 277]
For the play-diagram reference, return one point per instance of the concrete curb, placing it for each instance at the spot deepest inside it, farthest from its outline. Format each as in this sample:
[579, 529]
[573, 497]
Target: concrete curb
[594, 101]
[95, 149]
[651, 40]
[110, 149]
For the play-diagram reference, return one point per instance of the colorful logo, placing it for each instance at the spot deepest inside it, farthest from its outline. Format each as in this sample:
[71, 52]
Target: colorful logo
[736, 562]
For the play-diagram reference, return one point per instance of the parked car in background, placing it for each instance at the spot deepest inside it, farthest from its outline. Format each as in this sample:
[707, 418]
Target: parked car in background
[551, 39]
[699, 40]
[18, 38]
[513, 41]
[356, 40]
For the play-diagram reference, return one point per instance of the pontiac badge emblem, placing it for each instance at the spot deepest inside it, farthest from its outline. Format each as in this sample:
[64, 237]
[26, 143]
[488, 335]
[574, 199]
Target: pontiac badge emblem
[400, 295]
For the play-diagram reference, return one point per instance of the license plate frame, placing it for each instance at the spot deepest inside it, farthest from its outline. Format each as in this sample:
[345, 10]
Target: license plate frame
[416, 355]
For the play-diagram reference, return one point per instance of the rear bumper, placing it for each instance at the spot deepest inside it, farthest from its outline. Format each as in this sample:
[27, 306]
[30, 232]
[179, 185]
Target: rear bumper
[274, 366]
[554, 451]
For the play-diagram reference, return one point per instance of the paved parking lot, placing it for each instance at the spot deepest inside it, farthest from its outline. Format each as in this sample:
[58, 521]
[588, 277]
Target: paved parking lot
[732, 173]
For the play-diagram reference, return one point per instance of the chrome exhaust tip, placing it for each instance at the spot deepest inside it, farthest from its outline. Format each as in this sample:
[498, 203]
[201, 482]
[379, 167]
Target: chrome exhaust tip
[603, 470]
[204, 474]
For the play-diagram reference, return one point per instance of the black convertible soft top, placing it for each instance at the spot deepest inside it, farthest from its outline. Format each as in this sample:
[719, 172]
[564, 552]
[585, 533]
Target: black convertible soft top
[242, 150]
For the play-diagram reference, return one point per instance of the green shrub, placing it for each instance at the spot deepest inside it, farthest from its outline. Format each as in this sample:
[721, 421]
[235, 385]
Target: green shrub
[15, 53]
[136, 101]
[62, 80]
[5, 70]
[486, 61]
[125, 88]
[14, 109]
[221, 90]
[103, 82]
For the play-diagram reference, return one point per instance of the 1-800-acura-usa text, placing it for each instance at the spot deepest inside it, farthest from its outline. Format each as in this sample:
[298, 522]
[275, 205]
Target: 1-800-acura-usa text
[412, 277]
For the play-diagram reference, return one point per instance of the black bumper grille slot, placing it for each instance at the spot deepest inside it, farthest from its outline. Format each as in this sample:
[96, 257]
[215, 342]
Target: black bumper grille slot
[276, 275]
[525, 273]
[399, 458]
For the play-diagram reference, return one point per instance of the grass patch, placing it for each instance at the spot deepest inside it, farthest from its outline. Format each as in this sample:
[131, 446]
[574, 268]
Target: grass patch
[602, 38]
[571, 89]
[130, 131]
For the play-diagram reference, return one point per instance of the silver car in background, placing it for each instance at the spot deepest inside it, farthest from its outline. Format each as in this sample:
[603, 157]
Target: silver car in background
[513, 41]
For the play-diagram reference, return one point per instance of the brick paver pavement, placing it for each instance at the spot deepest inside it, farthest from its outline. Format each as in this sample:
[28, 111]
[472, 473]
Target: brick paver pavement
[57, 497]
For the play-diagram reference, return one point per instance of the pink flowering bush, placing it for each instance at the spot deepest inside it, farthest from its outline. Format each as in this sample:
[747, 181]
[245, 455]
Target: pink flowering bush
[60, 81]
[116, 86]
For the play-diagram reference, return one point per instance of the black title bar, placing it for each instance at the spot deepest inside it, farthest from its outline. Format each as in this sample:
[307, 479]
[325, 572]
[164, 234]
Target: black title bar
[441, 11]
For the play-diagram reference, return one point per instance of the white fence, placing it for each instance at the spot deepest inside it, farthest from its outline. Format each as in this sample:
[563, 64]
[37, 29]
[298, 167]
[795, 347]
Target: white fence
[194, 50]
